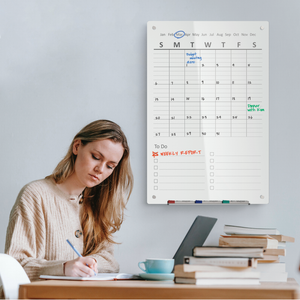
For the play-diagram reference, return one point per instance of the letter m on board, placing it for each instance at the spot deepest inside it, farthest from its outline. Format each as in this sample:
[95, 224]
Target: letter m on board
[177, 44]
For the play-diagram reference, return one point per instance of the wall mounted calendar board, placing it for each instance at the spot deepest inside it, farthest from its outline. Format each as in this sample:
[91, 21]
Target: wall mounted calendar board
[208, 112]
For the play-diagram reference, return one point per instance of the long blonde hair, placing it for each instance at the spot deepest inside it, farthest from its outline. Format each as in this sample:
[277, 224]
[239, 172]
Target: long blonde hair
[104, 204]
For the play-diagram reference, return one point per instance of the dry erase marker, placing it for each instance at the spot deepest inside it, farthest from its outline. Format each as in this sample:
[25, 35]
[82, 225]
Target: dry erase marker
[181, 202]
[207, 202]
[241, 202]
[78, 253]
[211, 202]
[237, 202]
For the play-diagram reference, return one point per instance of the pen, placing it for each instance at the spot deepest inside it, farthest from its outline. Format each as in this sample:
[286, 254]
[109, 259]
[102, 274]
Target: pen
[76, 251]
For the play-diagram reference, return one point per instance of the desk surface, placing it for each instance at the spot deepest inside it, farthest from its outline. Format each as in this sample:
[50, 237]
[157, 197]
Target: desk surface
[136, 289]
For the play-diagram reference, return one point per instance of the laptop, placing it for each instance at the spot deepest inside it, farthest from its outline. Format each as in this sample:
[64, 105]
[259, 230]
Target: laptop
[196, 236]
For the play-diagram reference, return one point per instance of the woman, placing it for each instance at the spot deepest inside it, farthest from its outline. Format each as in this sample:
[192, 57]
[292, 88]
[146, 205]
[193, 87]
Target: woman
[83, 201]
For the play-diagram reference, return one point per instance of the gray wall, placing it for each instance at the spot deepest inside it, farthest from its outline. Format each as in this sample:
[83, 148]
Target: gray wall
[66, 63]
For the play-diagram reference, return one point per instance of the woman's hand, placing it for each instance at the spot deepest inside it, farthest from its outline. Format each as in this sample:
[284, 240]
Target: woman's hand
[78, 267]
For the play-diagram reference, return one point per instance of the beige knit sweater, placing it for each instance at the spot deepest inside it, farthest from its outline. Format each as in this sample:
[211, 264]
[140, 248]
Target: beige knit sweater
[41, 220]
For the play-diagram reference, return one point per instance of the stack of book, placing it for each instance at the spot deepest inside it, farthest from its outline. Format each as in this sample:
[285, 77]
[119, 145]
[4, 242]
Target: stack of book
[220, 266]
[273, 243]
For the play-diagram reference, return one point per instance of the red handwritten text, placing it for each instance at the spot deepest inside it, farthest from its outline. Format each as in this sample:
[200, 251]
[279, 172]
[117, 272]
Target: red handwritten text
[177, 153]
[154, 154]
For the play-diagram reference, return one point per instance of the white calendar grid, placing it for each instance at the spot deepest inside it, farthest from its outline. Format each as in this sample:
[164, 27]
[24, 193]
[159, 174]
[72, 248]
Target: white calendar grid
[208, 112]
[207, 92]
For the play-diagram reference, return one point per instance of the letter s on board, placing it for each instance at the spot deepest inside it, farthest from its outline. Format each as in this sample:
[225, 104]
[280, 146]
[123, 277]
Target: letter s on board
[161, 45]
[254, 44]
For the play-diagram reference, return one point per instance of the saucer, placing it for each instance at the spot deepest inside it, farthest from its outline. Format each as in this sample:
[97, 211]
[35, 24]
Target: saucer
[157, 276]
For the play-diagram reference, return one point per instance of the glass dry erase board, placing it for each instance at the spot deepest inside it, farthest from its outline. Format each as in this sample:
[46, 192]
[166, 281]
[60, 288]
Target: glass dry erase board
[207, 112]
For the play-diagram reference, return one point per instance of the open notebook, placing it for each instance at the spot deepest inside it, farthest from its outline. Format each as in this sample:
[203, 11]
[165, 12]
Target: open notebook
[99, 276]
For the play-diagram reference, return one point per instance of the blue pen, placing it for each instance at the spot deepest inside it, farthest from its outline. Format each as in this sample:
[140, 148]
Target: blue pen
[78, 253]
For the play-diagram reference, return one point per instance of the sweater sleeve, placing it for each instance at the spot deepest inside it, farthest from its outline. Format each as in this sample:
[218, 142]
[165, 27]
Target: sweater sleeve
[105, 260]
[26, 238]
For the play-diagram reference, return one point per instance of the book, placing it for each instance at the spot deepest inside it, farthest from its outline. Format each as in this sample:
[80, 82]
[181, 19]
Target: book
[273, 276]
[281, 245]
[232, 229]
[283, 238]
[210, 268]
[268, 271]
[218, 281]
[99, 276]
[255, 275]
[248, 241]
[214, 272]
[274, 267]
[269, 257]
[281, 252]
[240, 262]
[267, 261]
[250, 252]
[273, 272]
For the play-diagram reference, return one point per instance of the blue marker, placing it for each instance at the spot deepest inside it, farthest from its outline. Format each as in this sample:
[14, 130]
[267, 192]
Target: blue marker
[78, 253]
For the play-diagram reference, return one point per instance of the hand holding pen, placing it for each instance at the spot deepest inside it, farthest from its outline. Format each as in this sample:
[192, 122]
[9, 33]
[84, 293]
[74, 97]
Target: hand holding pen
[81, 266]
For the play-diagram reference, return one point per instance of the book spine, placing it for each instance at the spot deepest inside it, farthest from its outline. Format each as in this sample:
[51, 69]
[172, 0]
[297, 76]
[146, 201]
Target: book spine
[222, 274]
[220, 262]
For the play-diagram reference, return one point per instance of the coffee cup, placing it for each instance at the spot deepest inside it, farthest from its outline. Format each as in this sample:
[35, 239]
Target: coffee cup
[157, 265]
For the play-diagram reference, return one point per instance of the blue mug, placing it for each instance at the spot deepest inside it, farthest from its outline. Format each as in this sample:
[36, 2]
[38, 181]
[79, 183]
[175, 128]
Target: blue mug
[157, 265]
